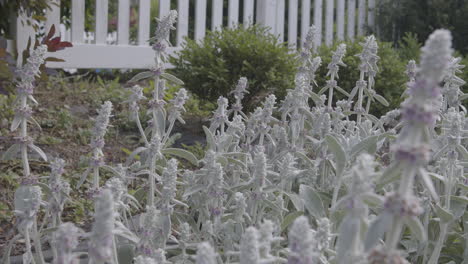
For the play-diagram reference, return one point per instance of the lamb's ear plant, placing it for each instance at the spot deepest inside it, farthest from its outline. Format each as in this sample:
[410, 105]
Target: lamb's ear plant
[28, 197]
[411, 151]
[333, 67]
[97, 144]
[65, 240]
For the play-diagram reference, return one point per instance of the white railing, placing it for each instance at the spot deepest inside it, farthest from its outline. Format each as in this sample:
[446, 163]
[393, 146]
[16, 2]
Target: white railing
[289, 19]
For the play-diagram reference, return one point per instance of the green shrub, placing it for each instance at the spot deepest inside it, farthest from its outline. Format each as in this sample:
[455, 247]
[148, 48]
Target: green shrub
[390, 80]
[212, 67]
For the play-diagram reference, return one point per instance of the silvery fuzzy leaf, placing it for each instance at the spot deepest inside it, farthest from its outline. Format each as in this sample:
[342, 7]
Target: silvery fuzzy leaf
[381, 100]
[375, 120]
[16, 122]
[140, 194]
[458, 206]
[353, 93]
[377, 229]
[416, 227]
[161, 119]
[236, 162]
[30, 97]
[141, 76]
[289, 219]
[38, 151]
[436, 176]
[273, 206]
[181, 153]
[444, 215]
[124, 232]
[390, 174]
[172, 78]
[372, 199]
[323, 90]
[83, 177]
[132, 156]
[462, 150]
[236, 155]
[440, 152]
[316, 98]
[296, 200]
[34, 121]
[339, 89]
[461, 199]
[312, 201]
[210, 139]
[464, 187]
[426, 179]
[303, 157]
[11, 151]
[338, 152]
[193, 190]
[368, 144]
[348, 232]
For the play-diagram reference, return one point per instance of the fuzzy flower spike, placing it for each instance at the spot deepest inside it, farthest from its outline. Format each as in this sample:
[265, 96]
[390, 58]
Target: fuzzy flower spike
[412, 149]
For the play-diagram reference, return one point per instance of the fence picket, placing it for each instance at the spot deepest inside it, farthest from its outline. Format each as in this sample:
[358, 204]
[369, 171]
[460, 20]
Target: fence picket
[318, 6]
[292, 23]
[102, 8]
[123, 23]
[248, 13]
[77, 21]
[270, 13]
[351, 18]
[233, 13]
[280, 8]
[329, 22]
[53, 16]
[340, 16]
[144, 22]
[182, 20]
[361, 17]
[217, 14]
[200, 19]
[164, 8]
[305, 19]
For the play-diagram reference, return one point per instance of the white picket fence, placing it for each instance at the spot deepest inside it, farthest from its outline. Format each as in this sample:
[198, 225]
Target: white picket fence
[289, 19]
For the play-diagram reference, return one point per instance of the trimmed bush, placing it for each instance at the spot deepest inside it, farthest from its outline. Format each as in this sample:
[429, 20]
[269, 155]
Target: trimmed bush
[212, 67]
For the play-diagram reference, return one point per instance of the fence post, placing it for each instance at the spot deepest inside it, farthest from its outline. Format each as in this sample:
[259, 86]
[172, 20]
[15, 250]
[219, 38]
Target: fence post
[266, 14]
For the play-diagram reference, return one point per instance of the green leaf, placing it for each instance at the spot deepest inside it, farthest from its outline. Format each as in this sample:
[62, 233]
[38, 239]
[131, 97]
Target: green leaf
[390, 174]
[349, 229]
[381, 100]
[462, 150]
[338, 152]
[172, 78]
[181, 153]
[339, 89]
[312, 201]
[209, 138]
[368, 144]
[289, 219]
[427, 181]
[141, 76]
[377, 229]
[444, 215]
[416, 227]
[372, 199]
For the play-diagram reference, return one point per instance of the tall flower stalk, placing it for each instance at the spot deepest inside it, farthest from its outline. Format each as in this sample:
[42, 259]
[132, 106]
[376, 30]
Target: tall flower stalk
[419, 113]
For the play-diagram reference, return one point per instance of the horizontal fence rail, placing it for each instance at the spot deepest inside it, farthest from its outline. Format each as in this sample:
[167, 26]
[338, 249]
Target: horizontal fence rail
[288, 19]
